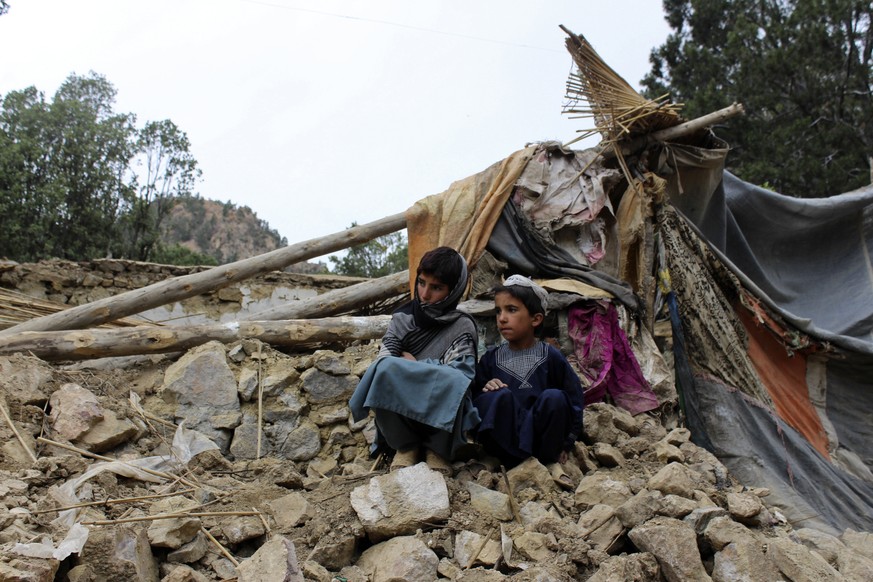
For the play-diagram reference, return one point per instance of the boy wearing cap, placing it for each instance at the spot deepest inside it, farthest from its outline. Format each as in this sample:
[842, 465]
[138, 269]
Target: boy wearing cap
[529, 398]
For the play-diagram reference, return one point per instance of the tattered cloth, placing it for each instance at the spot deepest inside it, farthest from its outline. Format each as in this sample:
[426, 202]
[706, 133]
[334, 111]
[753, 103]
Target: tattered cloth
[606, 359]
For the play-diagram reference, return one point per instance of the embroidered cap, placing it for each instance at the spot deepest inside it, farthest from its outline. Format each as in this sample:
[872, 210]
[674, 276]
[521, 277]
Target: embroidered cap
[522, 281]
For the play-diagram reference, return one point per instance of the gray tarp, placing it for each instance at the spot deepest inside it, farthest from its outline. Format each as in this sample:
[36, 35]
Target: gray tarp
[810, 261]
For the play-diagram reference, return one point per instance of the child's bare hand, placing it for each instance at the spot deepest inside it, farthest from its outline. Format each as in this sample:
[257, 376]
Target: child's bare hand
[563, 457]
[408, 356]
[493, 384]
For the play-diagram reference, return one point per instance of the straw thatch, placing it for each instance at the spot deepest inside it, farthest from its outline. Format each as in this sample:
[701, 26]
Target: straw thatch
[596, 91]
[17, 307]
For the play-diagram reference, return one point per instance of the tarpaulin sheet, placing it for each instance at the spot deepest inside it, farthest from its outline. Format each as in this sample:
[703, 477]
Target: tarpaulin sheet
[808, 260]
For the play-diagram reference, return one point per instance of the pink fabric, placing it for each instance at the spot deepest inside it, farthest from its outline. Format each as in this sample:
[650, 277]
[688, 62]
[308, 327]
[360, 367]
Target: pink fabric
[605, 358]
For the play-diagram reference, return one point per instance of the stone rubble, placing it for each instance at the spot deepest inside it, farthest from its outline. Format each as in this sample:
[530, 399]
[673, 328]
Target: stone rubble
[290, 493]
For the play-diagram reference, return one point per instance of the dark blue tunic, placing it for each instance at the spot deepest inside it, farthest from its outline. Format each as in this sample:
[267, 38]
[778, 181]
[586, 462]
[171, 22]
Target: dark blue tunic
[540, 412]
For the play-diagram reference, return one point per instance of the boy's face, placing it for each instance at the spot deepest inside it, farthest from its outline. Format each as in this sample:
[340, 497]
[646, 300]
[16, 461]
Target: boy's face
[431, 289]
[516, 324]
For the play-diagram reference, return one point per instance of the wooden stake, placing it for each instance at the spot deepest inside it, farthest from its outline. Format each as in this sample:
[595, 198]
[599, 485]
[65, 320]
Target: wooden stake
[114, 501]
[480, 548]
[260, 402]
[16, 433]
[513, 504]
[221, 548]
[177, 515]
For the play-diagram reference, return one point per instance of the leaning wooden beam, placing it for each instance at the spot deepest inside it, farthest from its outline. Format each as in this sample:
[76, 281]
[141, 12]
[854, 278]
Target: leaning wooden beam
[179, 288]
[99, 343]
[340, 300]
[633, 145]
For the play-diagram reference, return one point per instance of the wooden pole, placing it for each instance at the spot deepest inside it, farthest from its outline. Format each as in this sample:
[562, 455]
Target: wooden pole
[339, 300]
[100, 343]
[179, 288]
[634, 145]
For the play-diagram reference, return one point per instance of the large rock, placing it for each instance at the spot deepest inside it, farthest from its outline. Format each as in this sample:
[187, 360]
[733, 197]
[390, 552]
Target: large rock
[675, 479]
[744, 561]
[798, 564]
[295, 441]
[108, 433]
[322, 388]
[202, 387]
[28, 570]
[74, 410]
[400, 558]
[291, 510]
[401, 502]
[641, 567]
[489, 502]
[119, 553]
[601, 489]
[531, 473]
[674, 544]
[600, 526]
[172, 533]
[275, 561]
[468, 543]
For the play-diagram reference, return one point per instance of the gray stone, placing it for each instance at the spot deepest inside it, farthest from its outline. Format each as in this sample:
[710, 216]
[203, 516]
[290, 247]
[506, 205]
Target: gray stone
[641, 567]
[119, 553]
[667, 453]
[190, 552]
[331, 363]
[828, 546]
[201, 385]
[743, 506]
[275, 561]
[743, 561]
[288, 406]
[247, 386]
[28, 570]
[600, 527]
[639, 508]
[321, 388]
[400, 558]
[721, 531]
[467, 543]
[181, 573]
[291, 510]
[280, 376]
[242, 528]
[674, 544]
[854, 566]
[531, 473]
[401, 502]
[489, 502]
[675, 506]
[600, 488]
[245, 440]
[678, 436]
[74, 410]
[335, 550]
[341, 436]
[599, 426]
[607, 455]
[860, 542]
[699, 518]
[108, 433]
[799, 564]
[296, 442]
[536, 546]
[172, 533]
[312, 570]
[532, 513]
[328, 415]
[674, 479]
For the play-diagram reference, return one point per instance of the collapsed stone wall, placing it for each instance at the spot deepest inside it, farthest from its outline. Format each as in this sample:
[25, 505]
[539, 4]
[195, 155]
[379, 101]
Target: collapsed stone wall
[72, 283]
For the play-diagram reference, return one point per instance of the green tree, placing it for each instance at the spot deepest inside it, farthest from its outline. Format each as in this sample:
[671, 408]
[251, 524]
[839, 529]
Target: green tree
[801, 68]
[168, 172]
[177, 254]
[379, 257]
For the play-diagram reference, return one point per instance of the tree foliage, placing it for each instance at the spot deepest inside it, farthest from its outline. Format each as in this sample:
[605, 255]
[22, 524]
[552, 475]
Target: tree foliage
[801, 68]
[78, 180]
[384, 255]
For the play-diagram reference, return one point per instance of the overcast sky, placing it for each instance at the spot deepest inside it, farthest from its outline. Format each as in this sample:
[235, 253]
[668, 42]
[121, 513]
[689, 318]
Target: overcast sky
[318, 114]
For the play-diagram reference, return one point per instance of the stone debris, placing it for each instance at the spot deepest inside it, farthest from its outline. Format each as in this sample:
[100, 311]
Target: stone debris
[289, 491]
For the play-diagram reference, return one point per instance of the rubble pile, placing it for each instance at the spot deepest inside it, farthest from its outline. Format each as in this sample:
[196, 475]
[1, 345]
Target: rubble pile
[242, 462]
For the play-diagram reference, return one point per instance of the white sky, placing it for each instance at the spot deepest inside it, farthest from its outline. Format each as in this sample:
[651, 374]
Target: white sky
[318, 114]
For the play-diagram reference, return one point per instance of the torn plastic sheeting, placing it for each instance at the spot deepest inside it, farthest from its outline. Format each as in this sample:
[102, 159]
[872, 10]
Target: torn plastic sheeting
[187, 444]
[72, 544]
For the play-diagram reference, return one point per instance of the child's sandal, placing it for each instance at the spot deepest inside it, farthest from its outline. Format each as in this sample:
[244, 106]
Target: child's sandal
[560, 477]
[437, 463]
